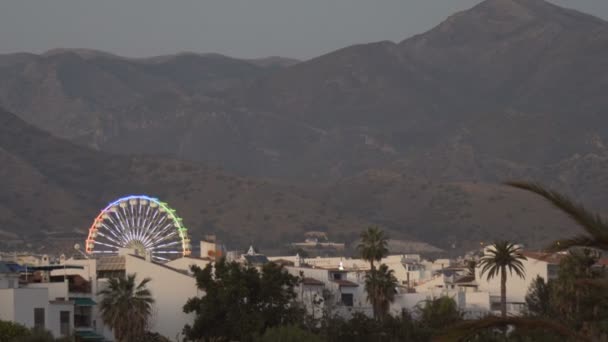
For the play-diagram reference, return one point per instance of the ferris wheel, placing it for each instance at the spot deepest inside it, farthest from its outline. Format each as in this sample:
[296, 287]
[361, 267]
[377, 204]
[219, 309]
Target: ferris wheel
[142, 223]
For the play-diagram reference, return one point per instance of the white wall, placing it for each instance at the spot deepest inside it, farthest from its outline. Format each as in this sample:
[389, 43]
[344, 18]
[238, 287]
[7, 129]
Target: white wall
[406, 301]
[517, 288]
[54, 323]
[7, 304]
[186, 263]
[24, 302]
[55, 290]
[171, 290]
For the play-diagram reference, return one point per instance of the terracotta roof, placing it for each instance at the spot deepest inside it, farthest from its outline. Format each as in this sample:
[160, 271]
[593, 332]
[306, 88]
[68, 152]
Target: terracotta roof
[111, 263]
[549, 258]
[345, 283]
[312, 281]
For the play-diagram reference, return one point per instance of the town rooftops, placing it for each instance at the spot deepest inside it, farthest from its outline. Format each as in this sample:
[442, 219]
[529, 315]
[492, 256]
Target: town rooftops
[312, 282]
[256, 259]
[111, 263]
[10, 267]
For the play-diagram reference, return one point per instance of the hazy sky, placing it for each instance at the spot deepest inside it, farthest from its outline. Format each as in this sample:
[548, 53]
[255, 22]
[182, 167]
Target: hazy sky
[239, 28]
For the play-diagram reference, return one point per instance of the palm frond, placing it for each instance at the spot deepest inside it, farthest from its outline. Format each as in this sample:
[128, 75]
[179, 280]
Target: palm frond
[592, 223]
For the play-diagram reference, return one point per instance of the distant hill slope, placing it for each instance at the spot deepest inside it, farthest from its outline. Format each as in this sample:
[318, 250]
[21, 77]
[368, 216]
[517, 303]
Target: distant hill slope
[53, 186]
[49, 185]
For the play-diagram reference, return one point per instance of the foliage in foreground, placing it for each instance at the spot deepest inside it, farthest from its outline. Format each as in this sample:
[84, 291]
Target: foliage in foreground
[14, 332]
[241, 302]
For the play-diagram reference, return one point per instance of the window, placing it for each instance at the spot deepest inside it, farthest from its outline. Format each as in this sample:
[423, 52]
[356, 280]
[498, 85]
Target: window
[64, 323]
[39, 318]
[347, 299]
[82, 316]
[337, 276]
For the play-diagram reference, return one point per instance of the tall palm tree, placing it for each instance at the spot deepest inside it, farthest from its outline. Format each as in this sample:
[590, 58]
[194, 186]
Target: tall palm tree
[125, 307]
[500, 257]
[380, 286]
[373, 245]
[596, 228]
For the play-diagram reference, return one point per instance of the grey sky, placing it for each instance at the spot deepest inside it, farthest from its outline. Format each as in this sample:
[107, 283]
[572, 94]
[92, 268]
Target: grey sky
[239, 28]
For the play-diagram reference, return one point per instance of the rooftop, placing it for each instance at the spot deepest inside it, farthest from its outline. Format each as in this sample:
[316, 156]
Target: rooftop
[111, 263]
[312, 282]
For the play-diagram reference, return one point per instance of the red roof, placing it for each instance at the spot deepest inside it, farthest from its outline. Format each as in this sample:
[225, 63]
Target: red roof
[550, 258]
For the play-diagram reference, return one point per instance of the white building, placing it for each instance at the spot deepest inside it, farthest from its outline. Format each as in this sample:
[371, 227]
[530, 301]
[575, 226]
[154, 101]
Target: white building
[537, 264]
[35, 305]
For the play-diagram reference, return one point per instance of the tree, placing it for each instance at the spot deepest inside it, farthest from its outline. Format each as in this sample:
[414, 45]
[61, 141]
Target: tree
[380, 286]
[11, 330]
[500, 257]
[241, 302]
[595, 227]
[373, 245]
[538, 298]
[288, 333]
[126, 307]
[438, 313]
[578, 294]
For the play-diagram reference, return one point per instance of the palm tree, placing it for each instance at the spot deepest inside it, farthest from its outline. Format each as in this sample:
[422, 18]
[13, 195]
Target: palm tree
[596, 228]
[502, 255]
[373, 245]
[125, 307]
[380, 286]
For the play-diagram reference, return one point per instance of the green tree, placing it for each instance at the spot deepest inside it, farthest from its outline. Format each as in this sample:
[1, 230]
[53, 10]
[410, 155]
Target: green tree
[241, 302]
[578, 294]
[11, 330]
[380, 286]
[436, 314]
[373, 245]
[595, 227]
[500, 257]
[126, 307]
[288, 333]
[538, 298]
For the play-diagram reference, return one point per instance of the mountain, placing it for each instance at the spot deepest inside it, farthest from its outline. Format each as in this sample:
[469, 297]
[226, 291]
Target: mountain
[54, 188]
[51, 186]
[509, 89]
[495, 80]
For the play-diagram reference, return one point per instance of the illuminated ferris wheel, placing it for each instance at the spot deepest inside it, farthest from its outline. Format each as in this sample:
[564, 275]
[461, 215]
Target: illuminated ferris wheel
[142, 223]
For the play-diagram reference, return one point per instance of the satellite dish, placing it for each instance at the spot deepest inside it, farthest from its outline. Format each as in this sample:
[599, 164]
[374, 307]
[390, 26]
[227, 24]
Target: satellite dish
[77, 246]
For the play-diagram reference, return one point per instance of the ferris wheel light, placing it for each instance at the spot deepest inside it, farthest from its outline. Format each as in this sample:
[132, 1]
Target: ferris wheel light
[155, 229]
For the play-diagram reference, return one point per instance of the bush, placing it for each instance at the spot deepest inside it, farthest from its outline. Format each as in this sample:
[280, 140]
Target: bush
[289, 333]
[10, 331]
